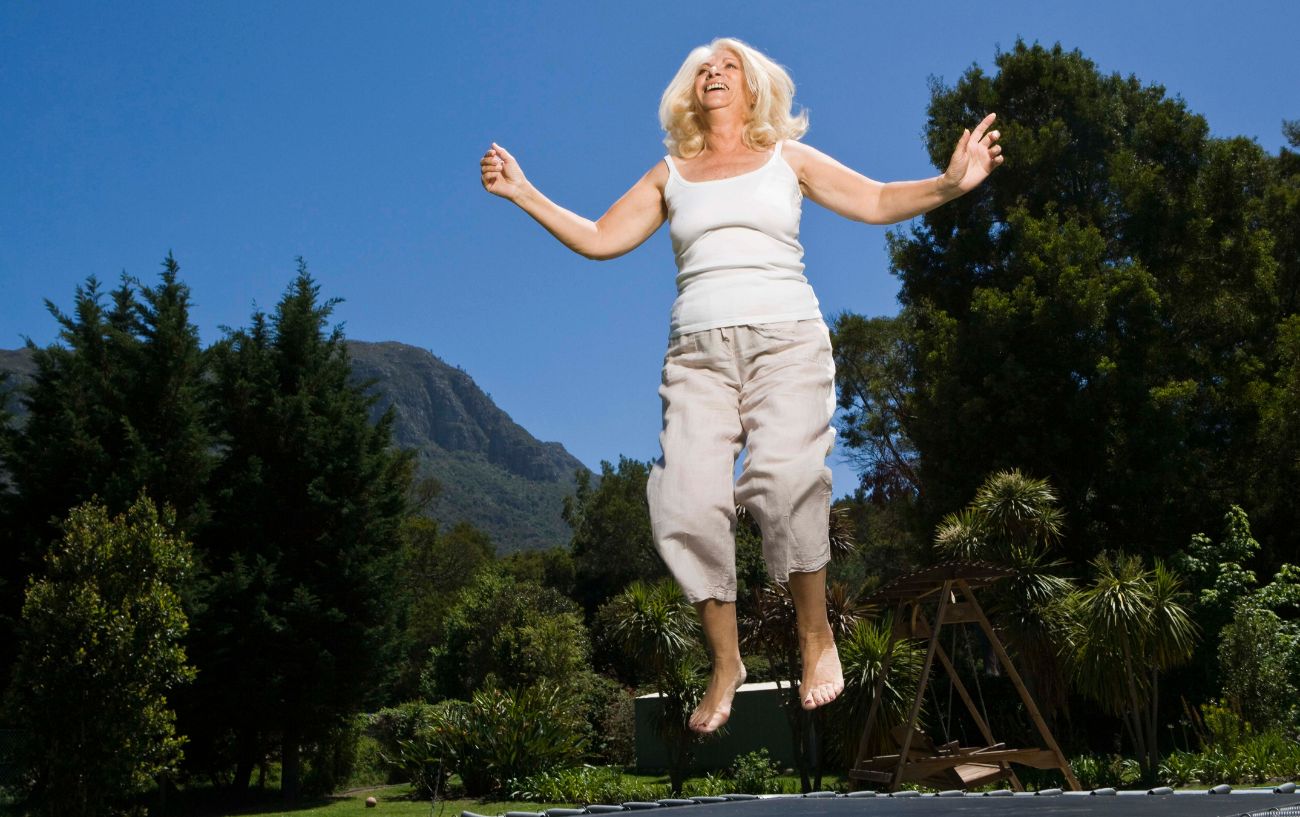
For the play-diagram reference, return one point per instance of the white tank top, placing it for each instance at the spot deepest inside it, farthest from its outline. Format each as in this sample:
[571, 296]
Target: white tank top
[739, 260]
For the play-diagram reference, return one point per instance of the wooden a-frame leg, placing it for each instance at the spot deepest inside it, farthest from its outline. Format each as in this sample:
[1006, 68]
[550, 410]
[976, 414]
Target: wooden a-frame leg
[944, 595]
[1018, 682]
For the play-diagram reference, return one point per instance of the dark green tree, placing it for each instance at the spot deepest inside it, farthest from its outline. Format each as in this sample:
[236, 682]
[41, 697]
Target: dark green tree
[114, 408]
[102, 650]
[874, 377]
[294, 621]
[1100, 313]
[507, 633]
[612, 544]
[435, 566]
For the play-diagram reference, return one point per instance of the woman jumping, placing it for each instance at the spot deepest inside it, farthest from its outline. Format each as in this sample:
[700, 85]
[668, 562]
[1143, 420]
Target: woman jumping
[749, 357]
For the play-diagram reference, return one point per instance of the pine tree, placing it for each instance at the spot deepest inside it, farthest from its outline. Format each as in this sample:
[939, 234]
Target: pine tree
[115, 408]
[295, 624]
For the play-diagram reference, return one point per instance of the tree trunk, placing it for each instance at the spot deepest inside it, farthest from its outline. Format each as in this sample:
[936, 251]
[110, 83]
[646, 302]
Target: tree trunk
[290, 765]
[246, 760]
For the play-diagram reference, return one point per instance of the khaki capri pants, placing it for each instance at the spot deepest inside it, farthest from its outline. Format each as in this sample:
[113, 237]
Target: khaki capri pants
[769, 387]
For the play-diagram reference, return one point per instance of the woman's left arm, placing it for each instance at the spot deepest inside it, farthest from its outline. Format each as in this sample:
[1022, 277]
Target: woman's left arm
[852, 195]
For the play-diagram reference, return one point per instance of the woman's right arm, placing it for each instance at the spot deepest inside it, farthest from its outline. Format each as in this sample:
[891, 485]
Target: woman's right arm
[630, 221]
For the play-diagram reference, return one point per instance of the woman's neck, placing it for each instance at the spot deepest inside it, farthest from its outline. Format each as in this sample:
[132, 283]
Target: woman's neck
[724, 134]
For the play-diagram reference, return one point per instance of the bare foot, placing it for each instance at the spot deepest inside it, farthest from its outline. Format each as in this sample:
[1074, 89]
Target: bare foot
[823, 680]
[715, 707]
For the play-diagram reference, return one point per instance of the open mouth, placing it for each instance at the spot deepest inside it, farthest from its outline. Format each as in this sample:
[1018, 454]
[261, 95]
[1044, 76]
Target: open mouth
[714, 86]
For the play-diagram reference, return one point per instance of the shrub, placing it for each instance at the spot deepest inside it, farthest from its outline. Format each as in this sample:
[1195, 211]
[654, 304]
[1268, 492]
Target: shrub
[1102, 771]
[611, 716]
[493, 738]
[1257, 651]
[584, 785]
[390, 727]
[711, 785]
[331, 760]
[755, 773]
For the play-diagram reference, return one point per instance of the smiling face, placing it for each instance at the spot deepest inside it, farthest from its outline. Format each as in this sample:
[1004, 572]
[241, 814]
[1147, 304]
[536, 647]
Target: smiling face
[720, 82]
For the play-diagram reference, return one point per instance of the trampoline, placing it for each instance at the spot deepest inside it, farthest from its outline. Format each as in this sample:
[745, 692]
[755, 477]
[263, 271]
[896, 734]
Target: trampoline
[1221, 801]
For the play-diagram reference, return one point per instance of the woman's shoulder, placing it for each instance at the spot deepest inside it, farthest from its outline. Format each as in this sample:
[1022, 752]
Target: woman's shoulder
[797, 154]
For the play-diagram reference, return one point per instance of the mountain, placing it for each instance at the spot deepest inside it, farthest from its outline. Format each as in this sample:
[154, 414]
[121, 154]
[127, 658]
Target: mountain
[492, 472]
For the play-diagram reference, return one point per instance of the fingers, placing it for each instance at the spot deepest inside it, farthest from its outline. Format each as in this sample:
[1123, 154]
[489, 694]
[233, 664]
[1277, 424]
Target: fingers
[503, 153]
[983, 126]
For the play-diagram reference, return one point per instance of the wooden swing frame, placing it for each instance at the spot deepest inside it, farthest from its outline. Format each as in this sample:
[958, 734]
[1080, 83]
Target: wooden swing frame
[949, 766]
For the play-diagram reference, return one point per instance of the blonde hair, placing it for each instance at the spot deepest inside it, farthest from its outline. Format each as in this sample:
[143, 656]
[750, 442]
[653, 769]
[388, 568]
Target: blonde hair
[771, 92]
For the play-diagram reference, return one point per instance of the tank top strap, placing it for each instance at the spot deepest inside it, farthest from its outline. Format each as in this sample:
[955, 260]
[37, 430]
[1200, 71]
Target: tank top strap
[672, 169]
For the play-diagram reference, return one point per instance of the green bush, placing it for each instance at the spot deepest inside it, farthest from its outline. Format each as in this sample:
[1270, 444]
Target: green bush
[330, 761]
[711, 785]
[756, 773]
[1105, 771]
[492, 739]
[371, 767]
[584, 785]
[395, 725]
[611, 715]
[1257, 656]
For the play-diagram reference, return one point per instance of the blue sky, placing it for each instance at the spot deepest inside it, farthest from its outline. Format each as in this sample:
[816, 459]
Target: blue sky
[240, 135]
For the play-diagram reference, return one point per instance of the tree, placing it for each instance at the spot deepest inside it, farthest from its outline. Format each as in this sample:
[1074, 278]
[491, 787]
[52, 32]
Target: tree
[612, 544]
[435, 566]
[102, 649]
[873, 373]
[1122, 631]
[114, 409]
[294, 622]
[1104, 311]
[507, 633]
[654, 625]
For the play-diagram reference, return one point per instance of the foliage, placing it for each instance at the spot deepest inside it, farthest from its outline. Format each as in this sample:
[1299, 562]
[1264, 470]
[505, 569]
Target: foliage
[102, 649]
[756, 773]
[1216, 569]
[392, 725]
[332, 758]
[1259, 666]
[874, 377]
[1253, 633]
[654, 625]
[494, 738]
[585, 785]
[864, 651]
[508, 632]
[113, 409]
[612, 545]
[1105, 771]
[1232, 751]
[294, 617]
[1129, 625]
[1113, 308]
[435, 566]
[1014, 522]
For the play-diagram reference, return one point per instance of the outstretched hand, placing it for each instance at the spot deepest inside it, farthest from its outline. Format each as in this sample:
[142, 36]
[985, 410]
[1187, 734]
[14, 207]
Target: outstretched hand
[501, 173]
[976, 156]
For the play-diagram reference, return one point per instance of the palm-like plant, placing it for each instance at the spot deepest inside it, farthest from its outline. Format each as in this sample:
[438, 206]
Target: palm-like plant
[1123, 630]
[863, 652]
[1013, 522]
[654, 624]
